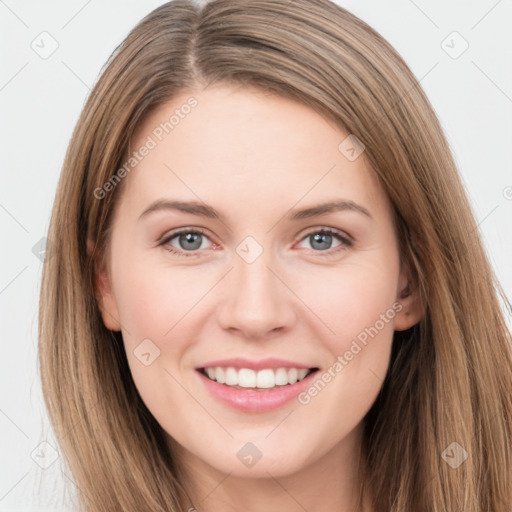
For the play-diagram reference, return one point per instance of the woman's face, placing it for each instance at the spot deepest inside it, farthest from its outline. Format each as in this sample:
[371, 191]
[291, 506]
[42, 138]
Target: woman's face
[260, 290]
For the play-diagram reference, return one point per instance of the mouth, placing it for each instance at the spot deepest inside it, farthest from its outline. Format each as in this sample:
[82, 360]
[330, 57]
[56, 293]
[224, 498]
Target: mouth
[265, 379]
[255, 387]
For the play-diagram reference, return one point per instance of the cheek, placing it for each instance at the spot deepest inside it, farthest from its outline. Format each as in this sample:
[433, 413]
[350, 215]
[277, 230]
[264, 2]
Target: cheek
[356, 303]
[349, 300]
[155, 304]
[153, 298]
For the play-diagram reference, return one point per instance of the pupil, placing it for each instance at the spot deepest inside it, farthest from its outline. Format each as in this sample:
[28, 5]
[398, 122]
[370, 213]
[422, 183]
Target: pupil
[323, 239]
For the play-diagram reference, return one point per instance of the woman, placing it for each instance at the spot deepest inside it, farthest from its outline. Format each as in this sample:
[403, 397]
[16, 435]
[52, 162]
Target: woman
[201, 348]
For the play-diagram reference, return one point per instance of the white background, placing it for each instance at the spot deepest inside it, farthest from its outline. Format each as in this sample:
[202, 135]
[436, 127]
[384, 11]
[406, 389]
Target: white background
[40, 101]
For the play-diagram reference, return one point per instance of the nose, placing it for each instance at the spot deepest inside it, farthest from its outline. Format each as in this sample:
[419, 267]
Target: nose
[258, 302]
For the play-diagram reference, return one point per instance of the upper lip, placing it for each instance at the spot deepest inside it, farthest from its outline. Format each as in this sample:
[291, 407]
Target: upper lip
[239, 362]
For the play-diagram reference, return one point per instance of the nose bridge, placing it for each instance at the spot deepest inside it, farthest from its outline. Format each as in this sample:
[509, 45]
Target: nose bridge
[257, 301]
[254, 281]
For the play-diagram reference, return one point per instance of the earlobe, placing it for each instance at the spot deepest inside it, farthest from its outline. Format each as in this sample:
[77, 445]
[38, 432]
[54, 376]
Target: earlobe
[104, 294]
[411, 310]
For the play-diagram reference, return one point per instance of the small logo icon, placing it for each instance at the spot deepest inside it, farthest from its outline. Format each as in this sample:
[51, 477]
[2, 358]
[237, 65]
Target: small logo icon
[249, 249]
[45, 45]
[454, 45]
[454, 455]
[44, 455]
[249, 455]
[146, 352]
[43, 249]
[351, 147]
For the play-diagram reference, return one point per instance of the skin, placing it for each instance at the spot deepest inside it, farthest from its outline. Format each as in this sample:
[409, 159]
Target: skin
[255, 157]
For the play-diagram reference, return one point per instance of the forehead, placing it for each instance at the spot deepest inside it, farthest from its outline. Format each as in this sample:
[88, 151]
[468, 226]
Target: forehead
[232, 144]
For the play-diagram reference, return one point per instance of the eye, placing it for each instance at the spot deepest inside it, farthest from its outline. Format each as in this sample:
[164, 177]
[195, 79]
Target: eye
[321, 240]
[187, 241]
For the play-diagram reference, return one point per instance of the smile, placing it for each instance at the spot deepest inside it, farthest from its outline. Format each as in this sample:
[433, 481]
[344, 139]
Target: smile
[255, 386]
[267, 378]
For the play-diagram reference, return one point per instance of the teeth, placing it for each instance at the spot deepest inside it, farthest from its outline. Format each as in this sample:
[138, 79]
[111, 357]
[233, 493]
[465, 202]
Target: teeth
[302, 373]
[262, 379]
[293, 375]
[231, 377]
[265, 379]
[220, 375]
[246, 378]
[281, 377]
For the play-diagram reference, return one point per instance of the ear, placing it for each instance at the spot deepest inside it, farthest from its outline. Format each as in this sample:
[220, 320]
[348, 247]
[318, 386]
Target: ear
[408, 297]
[103, 291]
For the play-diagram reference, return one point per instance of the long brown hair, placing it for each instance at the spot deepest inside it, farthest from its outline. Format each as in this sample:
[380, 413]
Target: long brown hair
[450, 376]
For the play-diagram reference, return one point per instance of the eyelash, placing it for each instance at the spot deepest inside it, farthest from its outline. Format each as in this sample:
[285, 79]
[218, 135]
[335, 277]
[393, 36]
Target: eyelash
[346, 241]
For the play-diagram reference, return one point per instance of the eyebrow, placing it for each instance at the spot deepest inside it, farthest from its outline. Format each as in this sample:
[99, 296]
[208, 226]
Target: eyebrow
[192, 207]
[329, 207]
[204, 210]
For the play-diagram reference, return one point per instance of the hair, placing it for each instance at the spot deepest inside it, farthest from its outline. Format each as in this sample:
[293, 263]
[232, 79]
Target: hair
[450, 375]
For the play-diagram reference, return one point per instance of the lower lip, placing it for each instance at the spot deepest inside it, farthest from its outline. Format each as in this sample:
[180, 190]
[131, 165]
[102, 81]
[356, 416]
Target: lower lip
[250, 400]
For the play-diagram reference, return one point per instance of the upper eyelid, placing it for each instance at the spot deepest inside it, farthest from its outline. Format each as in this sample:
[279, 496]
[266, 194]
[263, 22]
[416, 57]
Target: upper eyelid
[336, 232]
[170, 235]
